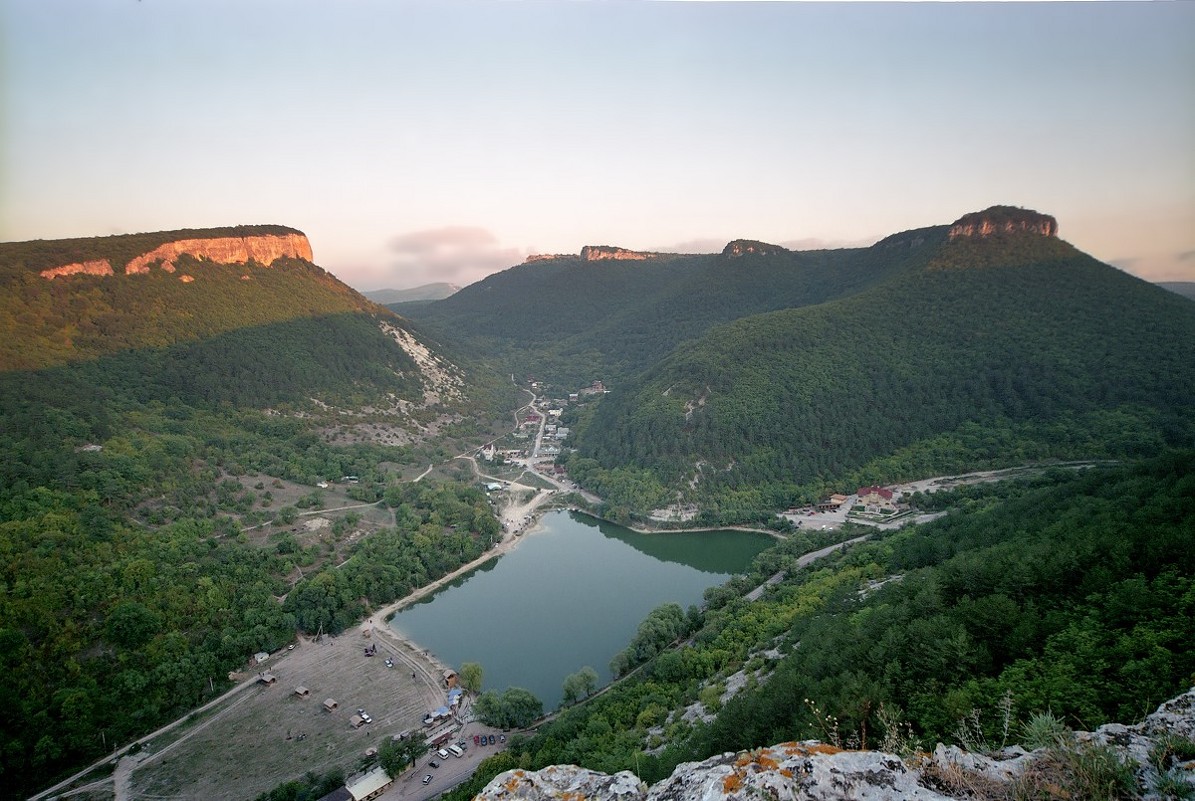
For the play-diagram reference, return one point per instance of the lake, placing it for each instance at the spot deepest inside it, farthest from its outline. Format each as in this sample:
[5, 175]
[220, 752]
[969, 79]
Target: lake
[571, 594]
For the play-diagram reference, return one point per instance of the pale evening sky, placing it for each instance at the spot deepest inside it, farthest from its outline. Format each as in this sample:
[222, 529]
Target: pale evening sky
[441, 141]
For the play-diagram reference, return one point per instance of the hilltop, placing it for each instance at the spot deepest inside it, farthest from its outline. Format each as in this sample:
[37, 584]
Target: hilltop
[1003, 343]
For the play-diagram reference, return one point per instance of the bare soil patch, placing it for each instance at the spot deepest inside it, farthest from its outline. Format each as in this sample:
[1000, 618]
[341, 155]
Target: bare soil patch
[267, 734]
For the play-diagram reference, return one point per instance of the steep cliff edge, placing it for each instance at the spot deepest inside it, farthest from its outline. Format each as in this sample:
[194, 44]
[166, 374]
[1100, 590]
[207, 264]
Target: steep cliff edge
[812, 771]
[263, 249]
[750, 247]
[610, 253]
[1003, 220]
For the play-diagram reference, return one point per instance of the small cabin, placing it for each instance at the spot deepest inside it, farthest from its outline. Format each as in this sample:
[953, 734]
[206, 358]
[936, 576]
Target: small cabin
[267, 678]
[356, 721]
[302, 692]
[330, 704]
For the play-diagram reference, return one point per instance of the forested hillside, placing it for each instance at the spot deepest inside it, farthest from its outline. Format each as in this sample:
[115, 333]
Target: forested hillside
[570, 321]
[1000, 350]
[1069, 594]
[46, 322]
[149, 427]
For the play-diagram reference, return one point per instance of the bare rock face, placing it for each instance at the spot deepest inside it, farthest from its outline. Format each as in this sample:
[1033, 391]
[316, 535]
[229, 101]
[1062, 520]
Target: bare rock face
[749, 247]
[564, 782]
[1003, 220]
[98, 267]
[609, 253]
[812, 771]
[264, 250]
[544, 257]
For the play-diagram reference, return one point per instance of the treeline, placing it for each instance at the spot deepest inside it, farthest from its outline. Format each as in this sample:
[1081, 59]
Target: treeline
[1071, 592]
[937, 369]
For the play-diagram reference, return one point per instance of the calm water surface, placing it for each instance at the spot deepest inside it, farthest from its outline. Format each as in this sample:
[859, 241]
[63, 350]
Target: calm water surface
[571, 594]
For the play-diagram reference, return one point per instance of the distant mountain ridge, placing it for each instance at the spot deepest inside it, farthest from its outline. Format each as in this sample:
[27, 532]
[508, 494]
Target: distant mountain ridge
[436, 291]
[1184, 288]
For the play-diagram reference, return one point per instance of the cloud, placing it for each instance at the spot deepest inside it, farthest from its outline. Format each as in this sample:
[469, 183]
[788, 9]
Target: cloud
[1186, 255]
[815, 243]
[694, 246]
[455, 254]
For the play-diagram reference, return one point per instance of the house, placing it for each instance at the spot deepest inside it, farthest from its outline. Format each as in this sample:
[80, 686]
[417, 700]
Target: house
[832, 504]
[330, 704]
[449, 678]
[877, 500]
[356, 721]
[302, 692]
[267, 678]
[562, 432]
[260, 656]
[369, 785]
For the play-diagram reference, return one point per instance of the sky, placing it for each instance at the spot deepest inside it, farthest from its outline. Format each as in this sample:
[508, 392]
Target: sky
[420, 142]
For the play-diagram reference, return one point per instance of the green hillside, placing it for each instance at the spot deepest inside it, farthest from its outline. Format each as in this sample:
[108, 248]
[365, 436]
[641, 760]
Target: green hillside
[79, 317]
[569, 321]
[1005, 349]
[157, 438]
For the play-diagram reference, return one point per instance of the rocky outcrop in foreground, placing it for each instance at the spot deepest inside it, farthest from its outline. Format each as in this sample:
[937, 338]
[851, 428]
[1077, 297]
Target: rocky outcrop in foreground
[812, 771]
[264, 249]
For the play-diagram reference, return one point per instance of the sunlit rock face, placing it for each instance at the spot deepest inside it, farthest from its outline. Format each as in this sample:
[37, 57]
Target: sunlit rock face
[264, 250]
[97, 267]
[610, 253]
[1003, 220]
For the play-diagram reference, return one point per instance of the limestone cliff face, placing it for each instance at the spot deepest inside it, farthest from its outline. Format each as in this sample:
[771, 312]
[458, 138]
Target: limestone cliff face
[812, 771]
[98, 267]
[1003, 220]
[544, 257]
[749, 247]
[264, 250]
[609, 253]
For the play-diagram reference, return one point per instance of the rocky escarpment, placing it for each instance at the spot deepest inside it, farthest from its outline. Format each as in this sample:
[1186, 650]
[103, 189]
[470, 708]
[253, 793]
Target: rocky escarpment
[1003, 220]
[812, 771]
[609, 253]
[264, 249]
[750, 247]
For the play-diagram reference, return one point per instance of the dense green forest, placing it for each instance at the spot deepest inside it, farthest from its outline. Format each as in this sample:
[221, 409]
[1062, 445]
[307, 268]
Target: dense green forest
[570, 322]
[1070, 592]
[1013, 349]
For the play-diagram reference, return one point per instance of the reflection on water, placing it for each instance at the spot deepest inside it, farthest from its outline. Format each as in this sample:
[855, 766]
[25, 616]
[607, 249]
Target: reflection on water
[570, 595]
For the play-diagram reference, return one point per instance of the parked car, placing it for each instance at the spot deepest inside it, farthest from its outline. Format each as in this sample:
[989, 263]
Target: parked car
[491, 739]
[427, 779]
[442, 754]
[433, 764]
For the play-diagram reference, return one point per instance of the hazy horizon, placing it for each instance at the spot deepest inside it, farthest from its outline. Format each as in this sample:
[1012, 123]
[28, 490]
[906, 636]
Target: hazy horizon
[418, 142]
